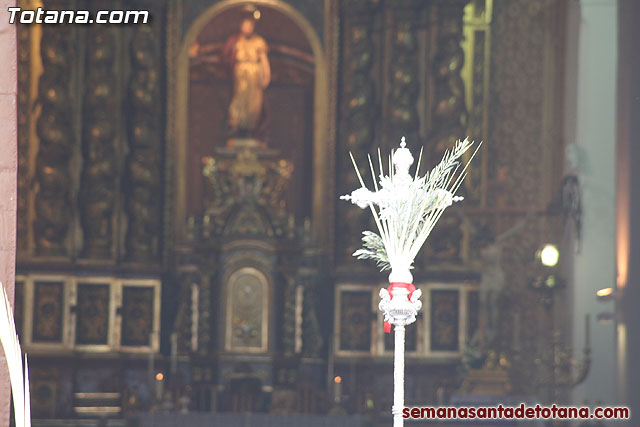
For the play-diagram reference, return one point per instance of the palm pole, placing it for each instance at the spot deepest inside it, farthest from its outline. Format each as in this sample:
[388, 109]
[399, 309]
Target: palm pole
[405, 210]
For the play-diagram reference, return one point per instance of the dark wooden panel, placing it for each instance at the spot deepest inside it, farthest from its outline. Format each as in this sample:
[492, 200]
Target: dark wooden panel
[92, 321]
[355, 321]
[444, 320]
[48, 312]
[137, 315]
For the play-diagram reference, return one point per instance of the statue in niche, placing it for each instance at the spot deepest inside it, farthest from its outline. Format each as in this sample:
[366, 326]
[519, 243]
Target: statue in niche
[246, 54]
[492, 278]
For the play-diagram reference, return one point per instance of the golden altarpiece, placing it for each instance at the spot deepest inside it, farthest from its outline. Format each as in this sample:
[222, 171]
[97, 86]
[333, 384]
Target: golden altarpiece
[173, 256]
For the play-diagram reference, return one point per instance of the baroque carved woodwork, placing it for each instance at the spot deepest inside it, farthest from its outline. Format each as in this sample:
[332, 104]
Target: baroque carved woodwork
[143, 195]
[476, 74]
[137, 315]
[187, 316]
[289, 314]
[355, 320]
[311, 279]
[357, 113]
[92, 314]
[444, 320]
[24, 120]
[404, 79]
[249, 177]
[54, 128]
[449, 110]
[521, 91]
[385, 50]
[48, 312]
[98, 186]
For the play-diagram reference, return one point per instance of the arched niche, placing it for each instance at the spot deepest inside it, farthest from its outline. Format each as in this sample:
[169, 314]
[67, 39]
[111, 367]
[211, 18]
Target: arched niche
[184, 162]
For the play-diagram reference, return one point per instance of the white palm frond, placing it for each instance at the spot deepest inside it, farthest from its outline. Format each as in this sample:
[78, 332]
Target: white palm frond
[13, 355]
[406, 208]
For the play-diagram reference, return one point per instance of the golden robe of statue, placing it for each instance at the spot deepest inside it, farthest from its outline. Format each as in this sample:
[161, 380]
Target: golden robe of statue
[247, 54]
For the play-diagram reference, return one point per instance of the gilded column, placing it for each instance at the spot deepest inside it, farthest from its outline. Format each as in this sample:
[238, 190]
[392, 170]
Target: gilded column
[357, 112]
[52, 179]
[404, 80]
[143, 195]
[449, 112]
[24, 98]
[98, 186]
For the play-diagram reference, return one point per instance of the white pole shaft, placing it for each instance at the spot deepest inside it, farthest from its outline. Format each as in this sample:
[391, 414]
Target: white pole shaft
[398, 376]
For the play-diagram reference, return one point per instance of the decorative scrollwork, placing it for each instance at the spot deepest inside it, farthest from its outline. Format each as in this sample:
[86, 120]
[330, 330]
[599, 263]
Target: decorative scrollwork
[449, 110]
[357, 127]
[98, 189]
[143, 166]
[24, 94]
[398, 308]
[54, 130]
[254, 180]
[403, 75]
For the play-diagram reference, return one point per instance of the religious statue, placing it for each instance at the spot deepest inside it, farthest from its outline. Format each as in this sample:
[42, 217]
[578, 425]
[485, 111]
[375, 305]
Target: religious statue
[246, 53]
[493, 278]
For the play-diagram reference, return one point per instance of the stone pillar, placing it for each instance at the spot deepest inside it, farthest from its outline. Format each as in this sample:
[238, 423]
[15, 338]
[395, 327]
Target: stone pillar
[8, 177]
[590, 130]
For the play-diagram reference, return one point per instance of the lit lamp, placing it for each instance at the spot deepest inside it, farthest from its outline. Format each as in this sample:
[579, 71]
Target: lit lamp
[546, 282]
[549, 255]
[558, 356]
[337, 391]
[159, 385]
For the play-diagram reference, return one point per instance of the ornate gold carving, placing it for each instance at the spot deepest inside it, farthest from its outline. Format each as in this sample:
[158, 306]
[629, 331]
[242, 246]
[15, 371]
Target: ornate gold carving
[253, 178]
[449, 110]
[357, 114]
[24, 114]
[403, 75]
[310, 278]
[92, 318]
[476, 73]
[178, 88]
[444, 320]
[48, 312]
[186, 321]
[355, 321]
[518, 87]
[55, 133]
[523, 37]
[98, 186]
[137, 315]
[143, 200]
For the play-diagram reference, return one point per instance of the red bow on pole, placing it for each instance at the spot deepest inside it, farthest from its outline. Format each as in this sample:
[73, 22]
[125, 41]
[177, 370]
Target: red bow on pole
[409, 286]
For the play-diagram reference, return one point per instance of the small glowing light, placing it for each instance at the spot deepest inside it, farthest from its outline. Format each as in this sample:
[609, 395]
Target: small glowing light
[159, 376]
[550, 282]
[605, 292]
[549, 255]
[256, 14]
[337, 379]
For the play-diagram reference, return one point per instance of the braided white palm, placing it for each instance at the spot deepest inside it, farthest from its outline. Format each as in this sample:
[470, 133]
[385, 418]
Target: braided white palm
[13, 355]
[405, 210]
